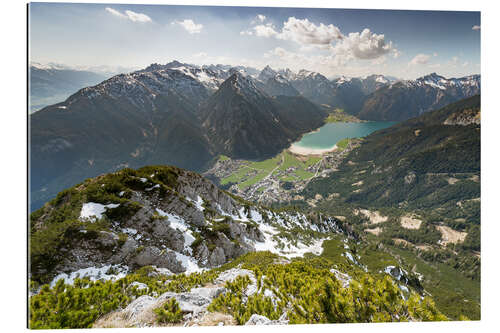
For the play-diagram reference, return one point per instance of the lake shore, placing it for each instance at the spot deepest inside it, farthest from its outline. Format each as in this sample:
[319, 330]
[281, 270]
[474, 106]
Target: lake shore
[310, 151]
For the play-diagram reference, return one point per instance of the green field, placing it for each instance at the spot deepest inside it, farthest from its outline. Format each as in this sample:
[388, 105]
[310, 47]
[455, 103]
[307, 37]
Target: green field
[252, 172]
[338, 115]
[342, 144]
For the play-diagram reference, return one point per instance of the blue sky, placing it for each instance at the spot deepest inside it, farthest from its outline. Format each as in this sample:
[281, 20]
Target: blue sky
[405, 44]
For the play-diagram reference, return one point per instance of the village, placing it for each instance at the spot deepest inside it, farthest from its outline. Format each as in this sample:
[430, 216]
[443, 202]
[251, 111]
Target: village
[279, 179]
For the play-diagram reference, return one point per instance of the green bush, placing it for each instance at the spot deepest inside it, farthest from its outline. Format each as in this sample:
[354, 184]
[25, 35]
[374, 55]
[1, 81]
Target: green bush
[170, 312]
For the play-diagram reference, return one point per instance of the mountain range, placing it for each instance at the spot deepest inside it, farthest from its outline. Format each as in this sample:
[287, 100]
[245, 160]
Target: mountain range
[186, 115]
[125, 234]
[52, 84]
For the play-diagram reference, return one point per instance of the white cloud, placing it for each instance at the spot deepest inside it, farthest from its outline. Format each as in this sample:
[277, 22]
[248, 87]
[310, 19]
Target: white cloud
[261, 17]
[465, 64]
[434, 54]
[379, 61]
[342, 48]
[420, 59]
[265, 30]
[364, 45]
[454, 61]
[476, 27]
[137, 17]
[130, 15]
[306, 32]
[189, 26]
[246, 32]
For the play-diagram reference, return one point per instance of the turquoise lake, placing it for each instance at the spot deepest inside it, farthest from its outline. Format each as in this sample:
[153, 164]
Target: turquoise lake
[329, 134]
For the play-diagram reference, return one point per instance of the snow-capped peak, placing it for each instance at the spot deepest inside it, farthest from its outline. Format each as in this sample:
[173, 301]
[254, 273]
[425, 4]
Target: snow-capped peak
[267, 73]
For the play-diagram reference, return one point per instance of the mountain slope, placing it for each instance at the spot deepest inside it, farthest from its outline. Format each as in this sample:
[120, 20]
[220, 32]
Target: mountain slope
[416, 184]
[162, 216]
[129, 120]
[406, 99]
[244, 122]
[136, 230]
[399, 160]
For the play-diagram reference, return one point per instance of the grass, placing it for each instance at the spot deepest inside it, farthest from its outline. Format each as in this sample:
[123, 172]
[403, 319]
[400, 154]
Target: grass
[245, 176]
[303, 175]
[249, 182]
[267, 165]
[342, 144]
[236, 177]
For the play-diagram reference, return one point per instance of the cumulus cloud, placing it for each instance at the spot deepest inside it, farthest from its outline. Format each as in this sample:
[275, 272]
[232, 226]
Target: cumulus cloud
[130, 15]
[476, 27]
[189, 26]
[379, 61]
[261, 18]
[306, 32]
[420, 59]
[364, 45]
[265, 30]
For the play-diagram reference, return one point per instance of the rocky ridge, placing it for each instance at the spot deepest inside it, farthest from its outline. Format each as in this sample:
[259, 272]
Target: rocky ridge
[164, 217]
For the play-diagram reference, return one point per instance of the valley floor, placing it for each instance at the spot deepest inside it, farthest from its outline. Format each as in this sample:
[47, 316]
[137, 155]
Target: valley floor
[277, 179]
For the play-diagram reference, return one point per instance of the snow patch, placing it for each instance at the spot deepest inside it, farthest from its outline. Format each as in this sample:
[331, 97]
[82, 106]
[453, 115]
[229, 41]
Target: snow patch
[198, 203]
[129, 231]
[93, 211]
[188, 263]
[177, 222]
[93, 274]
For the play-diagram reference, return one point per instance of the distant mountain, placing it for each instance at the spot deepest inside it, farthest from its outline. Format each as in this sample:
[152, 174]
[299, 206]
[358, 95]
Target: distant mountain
[406, 99]
[155, 116]
[314, 86]
[244, 122]
[343, 92]
[375, 81]
[50, 84]
[146, 117]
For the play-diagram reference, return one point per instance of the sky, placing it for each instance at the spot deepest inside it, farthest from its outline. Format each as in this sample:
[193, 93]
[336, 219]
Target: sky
[334, 42]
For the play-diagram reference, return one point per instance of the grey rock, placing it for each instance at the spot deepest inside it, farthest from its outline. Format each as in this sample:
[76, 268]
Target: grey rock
[139, 285]
[217, 257]
[152, 255]
[188, 302]
[256, 319]
[209, 293]
[134, 309]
